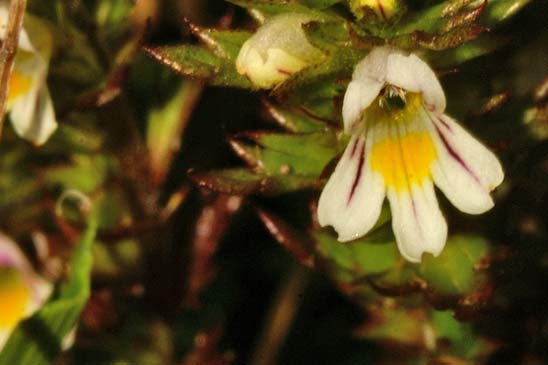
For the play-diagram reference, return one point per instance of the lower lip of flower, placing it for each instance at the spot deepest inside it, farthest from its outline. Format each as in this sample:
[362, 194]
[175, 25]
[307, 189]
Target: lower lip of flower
[404, 160]
[14, 297]
[404, 155]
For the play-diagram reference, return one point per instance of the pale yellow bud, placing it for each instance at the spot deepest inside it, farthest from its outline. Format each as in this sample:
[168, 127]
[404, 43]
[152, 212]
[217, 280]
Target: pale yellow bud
[383, 8]
[277, 50]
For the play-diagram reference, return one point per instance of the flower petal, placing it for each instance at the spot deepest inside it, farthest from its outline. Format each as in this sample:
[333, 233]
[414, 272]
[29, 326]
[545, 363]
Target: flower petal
[37, 36]
[4, 335]
[12, 256]
[352, 199]
[417, 221]
[367, 81]
[373, 66]
[32, 115]
[358, 96]
[22, 291]
[413, 74]
[466, 171]
[24, 41]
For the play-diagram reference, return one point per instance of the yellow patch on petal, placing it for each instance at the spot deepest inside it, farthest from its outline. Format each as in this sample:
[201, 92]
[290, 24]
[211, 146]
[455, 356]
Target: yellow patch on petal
[402, 159]
[19, 84]
[14, 297]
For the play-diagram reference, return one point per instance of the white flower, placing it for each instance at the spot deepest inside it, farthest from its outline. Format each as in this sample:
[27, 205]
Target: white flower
[402, 144]
[277, 50]
[22, 291]
[29, 101]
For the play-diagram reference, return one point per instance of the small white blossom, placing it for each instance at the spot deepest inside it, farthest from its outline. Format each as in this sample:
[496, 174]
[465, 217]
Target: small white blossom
[277, 50]
[402, 144]
[22, 291]
[29, 102]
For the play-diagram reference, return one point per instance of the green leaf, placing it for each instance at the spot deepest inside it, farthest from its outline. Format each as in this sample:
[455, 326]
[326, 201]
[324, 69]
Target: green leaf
[166, 123]
[75, 139]
[224, 43]
[465, 52]
[459, 334]
[440, 42]
[501, 10]
[193, 61]
[298, 154]
[79, 63]
[242, 181]
[38, 339]
[291, 239]
[351, 261]
[462, 339]
[293, 120]
[454, 271]
[200, 63]
[416, 328]
[86, 173]
[434, 19]
[391, 323]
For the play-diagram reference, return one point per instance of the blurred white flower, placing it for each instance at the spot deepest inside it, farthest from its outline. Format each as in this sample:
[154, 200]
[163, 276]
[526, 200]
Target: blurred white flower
[277, 50]
[29, 102]
[22, 291]
[402, 144]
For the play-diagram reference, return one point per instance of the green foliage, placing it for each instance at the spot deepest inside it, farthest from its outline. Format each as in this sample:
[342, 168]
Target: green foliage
[374, 259]
[200, 63]
[294, 154]
[243, 182]
[39, 339]
[183, 270]
[359, 259]
[456, 270]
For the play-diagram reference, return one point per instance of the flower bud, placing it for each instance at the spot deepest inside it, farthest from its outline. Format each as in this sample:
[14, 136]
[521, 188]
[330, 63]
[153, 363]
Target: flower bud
[277, 50]
[384, 9]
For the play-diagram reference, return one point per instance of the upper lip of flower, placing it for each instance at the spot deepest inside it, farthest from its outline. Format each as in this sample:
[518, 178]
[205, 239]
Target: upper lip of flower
[386, 65]
[30, 106]
[400, 153]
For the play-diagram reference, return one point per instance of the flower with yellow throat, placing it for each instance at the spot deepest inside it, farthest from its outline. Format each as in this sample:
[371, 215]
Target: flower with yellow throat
[29, 102]
[22, 291]
[402, 144]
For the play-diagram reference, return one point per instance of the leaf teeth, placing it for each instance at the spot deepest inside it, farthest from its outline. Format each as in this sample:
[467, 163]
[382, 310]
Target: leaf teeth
[289, 238]
[464, 17]
[454, 7]
[187, 60]
[202, 63]
[247, 153]
[241, 181]
[209, 42]
[451, 39]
